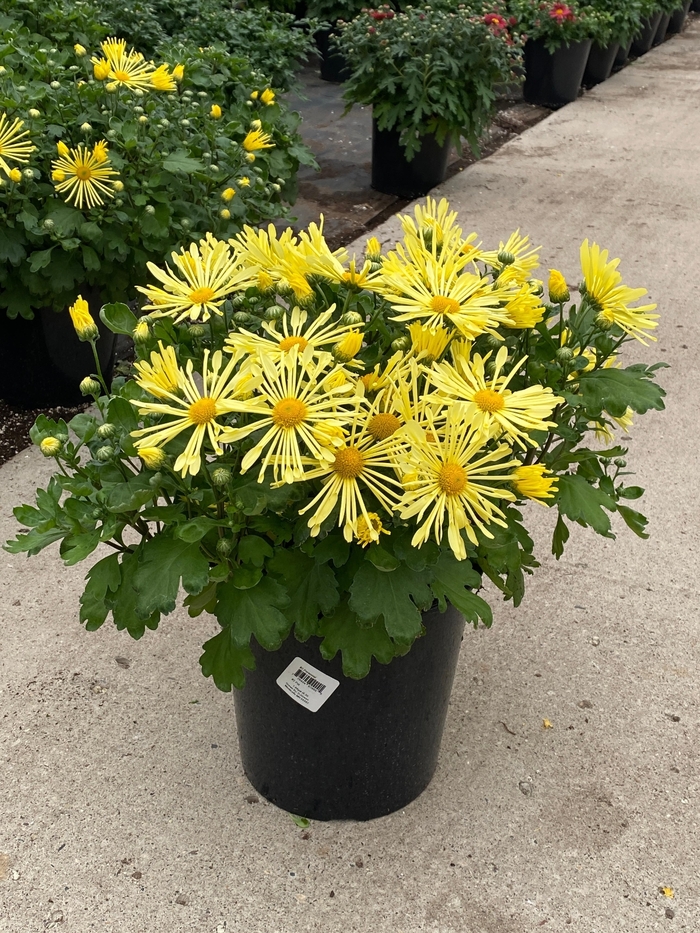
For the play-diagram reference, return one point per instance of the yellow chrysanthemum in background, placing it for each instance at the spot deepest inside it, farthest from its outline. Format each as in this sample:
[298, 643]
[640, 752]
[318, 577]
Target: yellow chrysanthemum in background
[611, 299]
[299, 412]
[534, 481]
[604, 432]
[161, 375]
[13, 143]
[450, 475]
[432, 227]
[487, 402]
[207, 274]
[525, 308]
[428, 343]
[130, 69]
[256, 140]
[84, 176]
[332, 265]
[358, 462]
[195, 408]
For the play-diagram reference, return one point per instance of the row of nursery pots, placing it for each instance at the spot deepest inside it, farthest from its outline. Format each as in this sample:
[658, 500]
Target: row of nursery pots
[552, 79]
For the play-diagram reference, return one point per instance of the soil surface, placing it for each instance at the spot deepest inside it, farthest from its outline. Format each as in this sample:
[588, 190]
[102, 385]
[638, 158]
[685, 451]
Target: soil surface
[340, 190]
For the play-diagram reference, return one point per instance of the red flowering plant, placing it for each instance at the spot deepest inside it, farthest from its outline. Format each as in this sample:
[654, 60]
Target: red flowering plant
[558, 23]
[430, 69]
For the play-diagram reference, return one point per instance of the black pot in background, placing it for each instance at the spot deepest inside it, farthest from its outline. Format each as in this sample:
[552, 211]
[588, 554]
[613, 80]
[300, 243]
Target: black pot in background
[600, 63]
[334, 66]
[371, 748]
[42, 362]
[623, 53]
[695, 6]
[554, 78]
[643, 40]
[662, 29]
[678, 18]
[392, 173]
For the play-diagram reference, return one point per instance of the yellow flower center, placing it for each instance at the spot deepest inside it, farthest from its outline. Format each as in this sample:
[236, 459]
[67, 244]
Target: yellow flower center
[123, 76]
[442, 305]
[289, 412]
[83, 172]
[349, 463]
[203, 410]
[452, 479]
[383, 425]
[488, 400]
[286, 343]
[201, 296]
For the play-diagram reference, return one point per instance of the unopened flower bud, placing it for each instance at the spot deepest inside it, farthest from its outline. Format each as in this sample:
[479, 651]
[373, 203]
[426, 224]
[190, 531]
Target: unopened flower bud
[241, 317]
[105, 453]
[34, 113]
[223, 547]
[197, 330]
[505, 257]
[352, 318]
[85, 127]
[50, 446]
[106, 430]
[55, 85]
[558, 289]
[149, 209]
[401, 343]
[90, 386]
[348, 348]
[152, 457]
[221, 476]
[565, 354]
[273, 313]
[141, 332]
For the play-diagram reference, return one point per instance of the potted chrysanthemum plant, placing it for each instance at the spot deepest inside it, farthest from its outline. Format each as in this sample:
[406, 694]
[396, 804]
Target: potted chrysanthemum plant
[329, 454]
[106, 161]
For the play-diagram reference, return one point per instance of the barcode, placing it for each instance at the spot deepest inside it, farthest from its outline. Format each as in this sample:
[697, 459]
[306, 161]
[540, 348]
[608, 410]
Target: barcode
[309, 680]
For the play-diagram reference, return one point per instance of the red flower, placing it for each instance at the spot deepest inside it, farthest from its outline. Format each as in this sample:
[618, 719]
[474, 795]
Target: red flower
[497, 23]
[562, 13]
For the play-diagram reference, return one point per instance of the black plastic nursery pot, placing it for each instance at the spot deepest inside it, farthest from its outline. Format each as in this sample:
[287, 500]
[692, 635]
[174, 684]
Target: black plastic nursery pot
[333, 65]
[42, 362]
[662, 29]
[623, 53]
[678, 18]
[392, 173]
[643, 40]
[553, 79]
[600, 63]
[695, 6]
[372, 745]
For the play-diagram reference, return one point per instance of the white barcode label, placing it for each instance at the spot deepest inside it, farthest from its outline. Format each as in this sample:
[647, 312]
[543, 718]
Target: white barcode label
[306, 684]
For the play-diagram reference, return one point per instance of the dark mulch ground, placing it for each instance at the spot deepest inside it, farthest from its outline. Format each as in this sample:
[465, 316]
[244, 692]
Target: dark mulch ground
[15, 425]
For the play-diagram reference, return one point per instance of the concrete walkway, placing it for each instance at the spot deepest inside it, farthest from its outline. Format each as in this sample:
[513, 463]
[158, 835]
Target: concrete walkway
[123, 806]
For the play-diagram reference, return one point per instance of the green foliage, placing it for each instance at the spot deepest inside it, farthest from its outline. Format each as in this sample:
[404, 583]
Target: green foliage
[427, 71]
[173, 158]
[581, 21]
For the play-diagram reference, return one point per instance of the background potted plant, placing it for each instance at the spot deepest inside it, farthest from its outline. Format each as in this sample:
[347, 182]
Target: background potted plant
[625, 21]
[333, 64]
[429, 75]
[678, 18]
[328, 454]
[651, 17]
[116, 159]
[559, 38]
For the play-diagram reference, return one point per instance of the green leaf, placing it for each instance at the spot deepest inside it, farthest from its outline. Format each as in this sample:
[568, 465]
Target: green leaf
[135, 492]
[195, 529]
[122, 413]
[583, 503]
[40, 259]
[253, 550]
[11, 249]
[630, 492]
[254, 611]
[224, 660]
[454, 582]
[301, 821]
[245, 578]
[75, 548]
[118, 318]
[398, 596]
[358, 644]
[559, 537]
[180, 161]
[83, 426]
[382, 559]
[164, 563]
[125, 602]
[202, 602]
[311, 587]
[634, 520]
[614, 390]
[103, 577]
[91, 260]
[332, 547]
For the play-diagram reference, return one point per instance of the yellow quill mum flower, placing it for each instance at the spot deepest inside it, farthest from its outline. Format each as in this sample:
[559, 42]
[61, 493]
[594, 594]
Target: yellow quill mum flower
[299, 411]
[432, 227]
[130, 69]
[84, 176]
[13, 143]
[525, 308]
[348, 348]
[215, 112]
[450, 476]
[161, 375]
[358, 462]
[368, 529]
[204, 275]
[489, 405]
[517, 255]
[256, 140]
[428, 343]
[179, 72]
[152, 458]
[268, 96]
[612, 299]
[100, 69]
[79, 50]
[15, 175]
[228, 194]
[83, 321]
[162, 80]
[534, 481]
[196, 409]
[373, 250]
